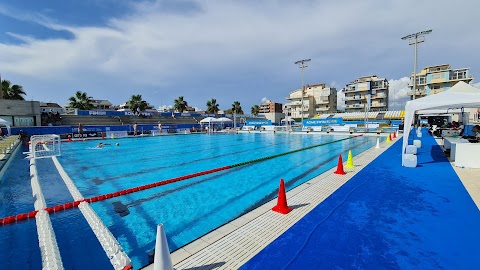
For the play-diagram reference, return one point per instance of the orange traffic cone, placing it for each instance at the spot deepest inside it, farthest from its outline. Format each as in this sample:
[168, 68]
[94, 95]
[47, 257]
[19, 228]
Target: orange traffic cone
[340, 166]
[394, 135]
[282, 206]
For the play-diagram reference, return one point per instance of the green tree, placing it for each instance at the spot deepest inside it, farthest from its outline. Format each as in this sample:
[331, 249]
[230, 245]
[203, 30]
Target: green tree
[255, 110]
[236, 108]
[137, 104]
[12, 91]
[180, 105]
[81, 101]
[212, 106]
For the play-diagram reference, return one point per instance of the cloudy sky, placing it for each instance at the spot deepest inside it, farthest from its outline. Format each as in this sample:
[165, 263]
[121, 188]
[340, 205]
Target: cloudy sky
[224, 49]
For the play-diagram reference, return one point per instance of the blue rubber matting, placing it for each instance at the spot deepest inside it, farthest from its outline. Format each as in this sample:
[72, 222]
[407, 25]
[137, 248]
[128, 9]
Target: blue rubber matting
[386, 217]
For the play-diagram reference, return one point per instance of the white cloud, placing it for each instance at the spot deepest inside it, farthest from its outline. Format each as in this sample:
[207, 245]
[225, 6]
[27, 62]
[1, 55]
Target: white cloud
[398, 93]
[340, 101]
[234, 50]
[264, 100]
[477, 85]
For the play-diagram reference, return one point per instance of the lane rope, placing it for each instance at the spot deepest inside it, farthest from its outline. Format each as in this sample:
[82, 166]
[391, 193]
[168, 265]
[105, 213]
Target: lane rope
[75, 204]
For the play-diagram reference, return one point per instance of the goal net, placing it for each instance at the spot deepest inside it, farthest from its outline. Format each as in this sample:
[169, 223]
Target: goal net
[44, 146]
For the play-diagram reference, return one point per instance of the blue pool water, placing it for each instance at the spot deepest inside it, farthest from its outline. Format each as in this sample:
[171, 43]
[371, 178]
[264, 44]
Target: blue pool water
[190, 208]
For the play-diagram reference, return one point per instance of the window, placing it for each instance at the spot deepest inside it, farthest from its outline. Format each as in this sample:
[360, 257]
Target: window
[421, 80]
[458, 75]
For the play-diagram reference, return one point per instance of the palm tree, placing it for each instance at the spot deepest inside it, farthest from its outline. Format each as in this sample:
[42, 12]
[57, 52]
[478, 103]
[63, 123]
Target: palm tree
[236, 108]
[180, 105]
[212, 106]
[255, 110]
[81, 101]
[137, 104]
[12, 91]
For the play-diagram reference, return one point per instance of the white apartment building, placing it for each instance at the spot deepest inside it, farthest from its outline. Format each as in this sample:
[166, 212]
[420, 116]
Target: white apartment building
[358, 92]
[436, 79]
[317, 99]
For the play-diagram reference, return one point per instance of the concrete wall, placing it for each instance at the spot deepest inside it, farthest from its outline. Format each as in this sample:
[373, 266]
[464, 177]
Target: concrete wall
[20, 111]
[274, 117]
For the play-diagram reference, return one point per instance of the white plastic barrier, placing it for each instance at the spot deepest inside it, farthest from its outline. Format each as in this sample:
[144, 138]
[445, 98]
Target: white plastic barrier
[417, 143]
[410, 160]
[411, 149]
[47, 241]
[341, 128]
[118, 258]
[68, 181]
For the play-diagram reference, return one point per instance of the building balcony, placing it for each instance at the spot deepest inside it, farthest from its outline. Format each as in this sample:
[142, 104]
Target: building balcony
[322, 109]
[461, 78]
[378, 104]
[353, 106]
[419, 93]
[378, 96]
[323, 102]
[356, 97]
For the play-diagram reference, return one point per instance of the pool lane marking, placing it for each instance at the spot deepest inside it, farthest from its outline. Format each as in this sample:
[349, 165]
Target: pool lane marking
[69, 205]
[110, 245]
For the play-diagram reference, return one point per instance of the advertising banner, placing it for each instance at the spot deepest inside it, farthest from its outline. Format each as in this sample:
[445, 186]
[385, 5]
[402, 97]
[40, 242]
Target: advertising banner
[259, 123]
[322, 122]
[116, 134]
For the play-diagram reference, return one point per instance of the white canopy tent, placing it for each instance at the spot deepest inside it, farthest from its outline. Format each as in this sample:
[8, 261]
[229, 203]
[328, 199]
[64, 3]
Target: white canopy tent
[224, 119]
[461, 95]
[4, 122]
[209, 120]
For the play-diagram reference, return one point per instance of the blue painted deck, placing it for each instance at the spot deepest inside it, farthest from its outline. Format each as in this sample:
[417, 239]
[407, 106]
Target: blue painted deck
[386, 217]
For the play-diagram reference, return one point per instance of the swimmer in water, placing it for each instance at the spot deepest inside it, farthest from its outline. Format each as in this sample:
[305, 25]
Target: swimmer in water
[100, 145]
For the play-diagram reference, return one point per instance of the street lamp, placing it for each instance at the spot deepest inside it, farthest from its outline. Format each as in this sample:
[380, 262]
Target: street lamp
[302, 65]
[414, 39]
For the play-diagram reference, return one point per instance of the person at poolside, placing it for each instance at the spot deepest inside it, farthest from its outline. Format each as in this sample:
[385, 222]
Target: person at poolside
[460, 129]
[135, 129]
[476, 131]
[80, 128]
[160, 127]
[402, 125]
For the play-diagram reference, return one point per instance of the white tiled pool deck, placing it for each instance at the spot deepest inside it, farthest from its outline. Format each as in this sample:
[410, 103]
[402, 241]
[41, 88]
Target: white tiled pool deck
[233, 244]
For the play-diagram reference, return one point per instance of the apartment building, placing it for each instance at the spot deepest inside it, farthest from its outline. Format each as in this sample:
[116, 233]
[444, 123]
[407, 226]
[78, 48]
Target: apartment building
[436, 79]
[366, 90]
[272, 111]
[271, 107]
[317, 99]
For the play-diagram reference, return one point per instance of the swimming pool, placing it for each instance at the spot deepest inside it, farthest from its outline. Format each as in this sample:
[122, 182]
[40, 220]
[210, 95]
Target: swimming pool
[193, 207]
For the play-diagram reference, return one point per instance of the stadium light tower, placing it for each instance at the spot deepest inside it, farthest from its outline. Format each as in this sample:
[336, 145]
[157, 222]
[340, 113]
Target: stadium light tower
[302, 65]
[414, 39]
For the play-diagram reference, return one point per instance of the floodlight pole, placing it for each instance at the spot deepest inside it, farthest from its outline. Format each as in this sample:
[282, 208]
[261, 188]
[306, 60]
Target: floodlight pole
[302, 65]
[414, 39]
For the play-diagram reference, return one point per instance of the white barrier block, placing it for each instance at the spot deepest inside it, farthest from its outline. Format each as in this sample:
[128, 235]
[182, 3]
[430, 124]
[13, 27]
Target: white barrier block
[417, 143]
[410, 160]
[411, 149]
